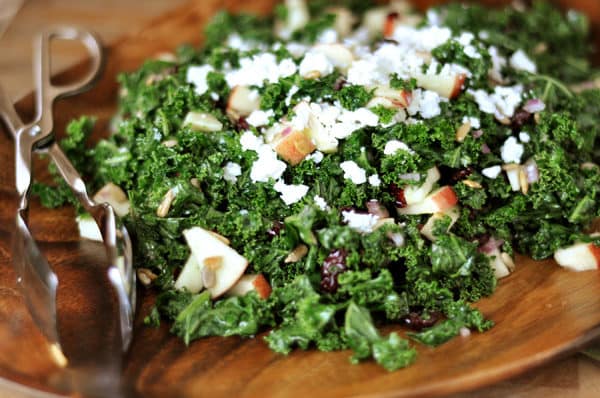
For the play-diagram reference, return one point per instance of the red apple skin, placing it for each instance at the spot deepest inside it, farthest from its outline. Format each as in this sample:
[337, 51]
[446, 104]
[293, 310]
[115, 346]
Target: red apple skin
[405, 101]
[445, 198]
[595, 250]
[261, 286]
[294, 147]
[390, 24]
[460, 80]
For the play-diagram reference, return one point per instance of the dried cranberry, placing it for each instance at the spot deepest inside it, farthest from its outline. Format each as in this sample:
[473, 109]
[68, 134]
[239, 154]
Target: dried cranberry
[275, 229]
[398, 194]
[520, 119]
[461, 174]
[242, 124]
[415, 321]
[339, 84]
[334, 264]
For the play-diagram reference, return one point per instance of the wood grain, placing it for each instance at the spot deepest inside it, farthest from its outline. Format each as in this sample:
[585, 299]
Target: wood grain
[541, 311]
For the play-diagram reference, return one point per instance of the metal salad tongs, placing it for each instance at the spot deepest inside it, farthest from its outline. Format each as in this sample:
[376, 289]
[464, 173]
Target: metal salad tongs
[37, 280]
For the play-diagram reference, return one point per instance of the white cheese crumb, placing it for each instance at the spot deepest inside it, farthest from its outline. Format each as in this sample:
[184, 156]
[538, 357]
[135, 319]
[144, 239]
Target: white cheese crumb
[502, 102]
[524, 137]
[360, 222]
[353, 172]
[492, 172]
[511, 151]
[473, 121]
[315, 62]
[321, 204]
[254, 71]
[290, 94]
[328, 36]
[290, 193]
[249, 141]
[231, 171]
[259, 118]
[316, 156]
[393, 146]
[374, 180]
[520, 61]
[267, 165]
[197, 76]
[425, 102]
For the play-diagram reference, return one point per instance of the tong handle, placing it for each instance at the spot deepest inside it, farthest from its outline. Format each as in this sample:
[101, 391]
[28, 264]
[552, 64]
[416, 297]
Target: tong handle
[46, 91]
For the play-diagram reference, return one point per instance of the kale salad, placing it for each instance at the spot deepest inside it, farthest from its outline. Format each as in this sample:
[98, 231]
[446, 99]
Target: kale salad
[315, 174]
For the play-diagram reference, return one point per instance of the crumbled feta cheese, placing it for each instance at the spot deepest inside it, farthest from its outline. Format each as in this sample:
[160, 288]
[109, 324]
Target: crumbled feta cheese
[290, 94]
[425, 102]
[433, 18]
[196, 75]
[301, 116]
[473, 121]
[360, 222]
[314, 62]
[426, 38]
[267, 165]
[259, 118]
[520, 61]
[393, 146]
[214, 96]
[243, 212]
[492, 172]
[374, 180]
[290, 193]
[511, 151]
[353, 172]
[321, 204]
[498, 62]
[231, 171]
[524, 137]
[249, 141]
[254, 71]
[316, 156]
[502, 102]
[328, 36]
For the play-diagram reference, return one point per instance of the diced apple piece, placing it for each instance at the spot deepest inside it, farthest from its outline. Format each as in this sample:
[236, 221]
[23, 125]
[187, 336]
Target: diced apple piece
[447, 86]
[440, 200]
[115, 197]
[344, 20]
[297, 16]
[293, 146]
[202, 121]
[88, 229]
[205, 246]
[579, 257]
[398, 98]
[415, 194]
[190, 277]
[501, 269]
[339, 56]
[249, 283]
[324, 142]
[374, 20]
[242, 102]
[512, 172]
[427, 230]
[389, 25]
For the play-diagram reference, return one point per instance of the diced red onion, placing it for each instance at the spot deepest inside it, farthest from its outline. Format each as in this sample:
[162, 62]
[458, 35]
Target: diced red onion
[286, 131]
[491, 245]
[531, 171]
[534, 106]
[477, 133]
[377, 209]
[411, 176]
[485, 148]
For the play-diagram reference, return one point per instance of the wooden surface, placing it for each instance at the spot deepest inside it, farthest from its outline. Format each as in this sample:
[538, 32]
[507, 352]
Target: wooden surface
[541, 312]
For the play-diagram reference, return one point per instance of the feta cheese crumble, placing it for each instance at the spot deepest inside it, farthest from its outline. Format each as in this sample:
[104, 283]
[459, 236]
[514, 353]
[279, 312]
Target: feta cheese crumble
[315, 63]
[374, 180]
[353, 172]
[196, 75]
[473, 121]
[231, 172]
[520, 61]
[360, 222]
[393, 146]
[511, 151]
[321, 204]
[290, 193]
[524, 137]
[492, 172]
[259, 118]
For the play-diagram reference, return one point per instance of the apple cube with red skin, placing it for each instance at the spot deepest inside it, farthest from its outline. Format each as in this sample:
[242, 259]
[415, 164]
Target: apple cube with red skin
[390, 24]
[242, 102]
[427, 230]
[190, 277]
[248, 283]
[293, 146]
[204, 245]
[415, 194]
[579, 257]
[447, 86]
[438, 201]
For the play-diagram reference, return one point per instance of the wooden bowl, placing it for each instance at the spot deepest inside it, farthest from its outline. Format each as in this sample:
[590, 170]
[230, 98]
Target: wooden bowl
[542, 312]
